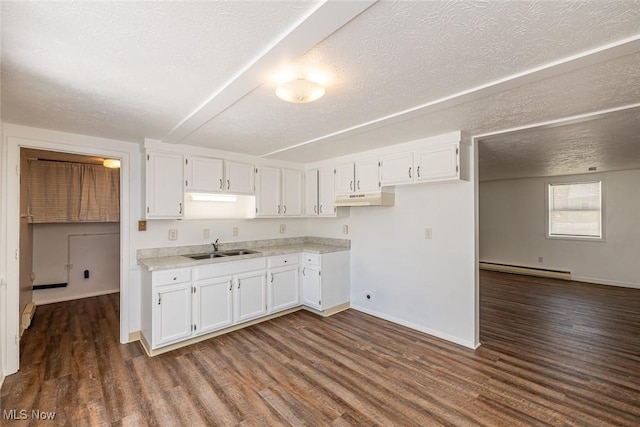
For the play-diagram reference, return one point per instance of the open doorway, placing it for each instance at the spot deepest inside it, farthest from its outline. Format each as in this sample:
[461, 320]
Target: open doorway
[69, 229]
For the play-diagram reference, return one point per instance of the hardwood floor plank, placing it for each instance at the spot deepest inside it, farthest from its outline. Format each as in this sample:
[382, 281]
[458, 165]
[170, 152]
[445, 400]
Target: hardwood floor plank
[553, 352]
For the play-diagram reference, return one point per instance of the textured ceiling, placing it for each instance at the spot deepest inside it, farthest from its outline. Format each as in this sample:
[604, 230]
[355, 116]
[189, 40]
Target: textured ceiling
[610, 142]
[398, 71]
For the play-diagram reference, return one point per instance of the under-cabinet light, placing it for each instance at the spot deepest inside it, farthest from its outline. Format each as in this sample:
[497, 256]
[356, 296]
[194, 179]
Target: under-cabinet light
[205, 197]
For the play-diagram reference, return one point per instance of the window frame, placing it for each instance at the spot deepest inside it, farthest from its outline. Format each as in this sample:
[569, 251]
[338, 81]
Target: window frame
[547, 195]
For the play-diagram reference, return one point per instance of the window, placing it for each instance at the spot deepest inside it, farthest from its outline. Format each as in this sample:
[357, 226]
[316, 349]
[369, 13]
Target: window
[575, 210]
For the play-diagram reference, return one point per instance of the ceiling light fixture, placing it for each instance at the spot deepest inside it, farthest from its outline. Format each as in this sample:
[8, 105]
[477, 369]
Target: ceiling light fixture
[111, 163]
[300, 90]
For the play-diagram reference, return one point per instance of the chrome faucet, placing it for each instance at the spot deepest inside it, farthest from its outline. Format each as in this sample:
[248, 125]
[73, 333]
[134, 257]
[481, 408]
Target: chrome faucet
[215, 245]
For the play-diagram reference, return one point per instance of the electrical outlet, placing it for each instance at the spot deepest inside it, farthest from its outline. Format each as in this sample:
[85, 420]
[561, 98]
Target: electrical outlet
[173, 234]
[234, 231]
[142, 225]
[540, 259]
[345, 229]
[428, 233]
[206, 233]
[283, 228]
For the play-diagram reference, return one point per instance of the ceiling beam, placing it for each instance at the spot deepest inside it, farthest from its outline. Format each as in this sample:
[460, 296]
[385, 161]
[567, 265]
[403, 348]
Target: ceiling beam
[322, 21]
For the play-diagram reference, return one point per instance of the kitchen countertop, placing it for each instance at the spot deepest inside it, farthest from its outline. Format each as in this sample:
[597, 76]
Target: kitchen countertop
[179, 261]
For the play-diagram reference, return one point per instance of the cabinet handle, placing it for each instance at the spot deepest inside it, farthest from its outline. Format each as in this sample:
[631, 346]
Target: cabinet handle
[350, 185]
[315, 208]
[180, 209]
[272, 277]
[284, 210]
[221, 183]
[159, 298]
[238, 284]
[409, 171]
[304, 269]
[230, 286]
[418, 170]
[358, 184]
[175, 278]
[320, 208]
[228, 184]
[278, 209]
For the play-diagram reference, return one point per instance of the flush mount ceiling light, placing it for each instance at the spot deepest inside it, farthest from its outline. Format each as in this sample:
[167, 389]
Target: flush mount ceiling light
[300, 90]
[111, 163]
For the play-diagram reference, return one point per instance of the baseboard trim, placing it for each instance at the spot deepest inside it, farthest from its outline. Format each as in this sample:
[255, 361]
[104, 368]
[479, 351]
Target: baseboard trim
[419, 328]
[329, 312]
[598, 281]
[1, 379]
[527, 271]
[75, 297]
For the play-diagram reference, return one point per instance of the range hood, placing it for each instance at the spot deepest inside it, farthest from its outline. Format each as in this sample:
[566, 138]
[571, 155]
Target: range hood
[384, 197]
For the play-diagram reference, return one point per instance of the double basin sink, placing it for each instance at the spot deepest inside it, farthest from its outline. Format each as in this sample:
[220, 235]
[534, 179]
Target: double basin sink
[219, 254]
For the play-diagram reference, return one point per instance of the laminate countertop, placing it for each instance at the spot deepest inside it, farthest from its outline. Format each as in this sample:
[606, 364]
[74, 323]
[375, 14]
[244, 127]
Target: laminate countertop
[168, 261]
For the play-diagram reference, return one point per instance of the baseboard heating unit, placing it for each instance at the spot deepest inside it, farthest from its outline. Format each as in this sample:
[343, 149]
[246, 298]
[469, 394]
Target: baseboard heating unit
[528, 271]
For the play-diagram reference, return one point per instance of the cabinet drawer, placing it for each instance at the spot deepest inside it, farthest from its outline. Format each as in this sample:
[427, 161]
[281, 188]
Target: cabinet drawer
[311, 259]
[166, 277]
[284, 260]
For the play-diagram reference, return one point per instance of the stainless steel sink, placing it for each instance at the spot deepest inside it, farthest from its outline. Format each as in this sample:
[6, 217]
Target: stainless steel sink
[234, 252]
[207, 256]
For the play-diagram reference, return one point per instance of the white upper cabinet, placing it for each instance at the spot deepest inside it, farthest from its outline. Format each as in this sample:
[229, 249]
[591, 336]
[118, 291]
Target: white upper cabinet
[345, 178]
[279, 192]
[311, 205]
[326, 192]
[367, 176]
[397, 169]
[358, 177]
[240, 178]
[163, 184]
[438, 163]
[268, 192]
[204, 174]
[291, 192]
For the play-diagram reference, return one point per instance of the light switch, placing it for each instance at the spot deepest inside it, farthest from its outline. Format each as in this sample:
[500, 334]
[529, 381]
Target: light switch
[345, 229]
[283, 228]
[235, 231]
[206, 233]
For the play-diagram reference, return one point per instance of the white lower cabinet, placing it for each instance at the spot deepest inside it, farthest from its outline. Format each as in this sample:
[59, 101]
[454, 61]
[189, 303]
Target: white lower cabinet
[213, 304]
[250, 296]
[325, 280]
[172, 313]
[183, 303]
[284, 282]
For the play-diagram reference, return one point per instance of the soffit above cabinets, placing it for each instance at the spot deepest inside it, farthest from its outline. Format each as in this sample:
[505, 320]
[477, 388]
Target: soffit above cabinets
[399, 70]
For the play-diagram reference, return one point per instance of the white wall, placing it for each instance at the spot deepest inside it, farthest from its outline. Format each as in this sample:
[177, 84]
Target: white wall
[512, 229]
[424, 284]
[51, 254]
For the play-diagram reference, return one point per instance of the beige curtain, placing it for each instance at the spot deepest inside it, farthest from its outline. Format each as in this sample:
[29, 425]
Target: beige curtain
[73, 192]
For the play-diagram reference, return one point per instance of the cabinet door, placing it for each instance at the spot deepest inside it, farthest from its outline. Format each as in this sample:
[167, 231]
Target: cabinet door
[204, 174]
[291, 192]
[326, 192]
[164, 189]
[285, 289]
[250, 296]
[397, 169]
[367, 176]
[240, 178]
[212, 304]
[172, 313]
[345, 178]
[311, 287]
[311, 193]
[437, 163]
[268, 192]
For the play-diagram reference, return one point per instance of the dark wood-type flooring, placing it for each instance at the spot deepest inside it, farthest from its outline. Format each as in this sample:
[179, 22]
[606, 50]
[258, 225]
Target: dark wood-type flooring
[554, 353]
